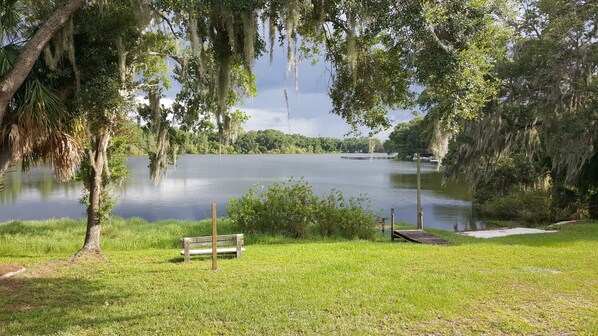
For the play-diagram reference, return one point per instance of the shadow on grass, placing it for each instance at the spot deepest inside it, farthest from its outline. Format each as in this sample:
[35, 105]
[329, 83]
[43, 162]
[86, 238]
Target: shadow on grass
[51, 305]
[179, 260]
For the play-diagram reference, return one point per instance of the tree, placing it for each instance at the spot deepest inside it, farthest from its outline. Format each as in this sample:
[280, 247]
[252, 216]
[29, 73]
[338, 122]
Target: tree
[102, 102]
[378, 50]
[13, 80]
[409, 138]
[547, 105]
[32, 118]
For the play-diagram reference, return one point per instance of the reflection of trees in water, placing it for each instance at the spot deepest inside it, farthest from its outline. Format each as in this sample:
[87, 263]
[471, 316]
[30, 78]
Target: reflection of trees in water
[432, 181]
[12, 188]
[40, 180]
[463, 217]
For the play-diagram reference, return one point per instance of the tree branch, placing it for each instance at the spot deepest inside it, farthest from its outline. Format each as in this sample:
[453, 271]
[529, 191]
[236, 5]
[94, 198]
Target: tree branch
[15, 78]
[449, 49]
[163, 17]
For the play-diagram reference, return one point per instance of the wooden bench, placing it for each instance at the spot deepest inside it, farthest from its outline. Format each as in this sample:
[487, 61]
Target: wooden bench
[236, 240]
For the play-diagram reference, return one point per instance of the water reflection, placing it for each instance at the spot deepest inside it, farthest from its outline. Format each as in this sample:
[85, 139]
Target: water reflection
[432, 181]
[40, 181]
[199, 180]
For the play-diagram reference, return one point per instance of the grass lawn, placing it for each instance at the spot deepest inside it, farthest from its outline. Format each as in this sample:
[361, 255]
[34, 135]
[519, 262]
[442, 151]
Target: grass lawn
[531, 284]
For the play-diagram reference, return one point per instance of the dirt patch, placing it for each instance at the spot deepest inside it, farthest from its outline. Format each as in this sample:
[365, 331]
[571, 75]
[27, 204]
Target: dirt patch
[504, 232]
[9, 268]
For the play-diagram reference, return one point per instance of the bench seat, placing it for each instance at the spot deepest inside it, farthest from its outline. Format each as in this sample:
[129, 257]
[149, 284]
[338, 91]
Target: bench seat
[226, 250]
[231, 244]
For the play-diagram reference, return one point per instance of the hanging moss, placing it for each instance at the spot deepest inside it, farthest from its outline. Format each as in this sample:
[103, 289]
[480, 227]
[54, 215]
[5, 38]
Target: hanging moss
[196, 45]
[249, 35]
[351, 46]
[440, 140]
[122, 59]
[159, 158]
[272, 35]
[229, 23]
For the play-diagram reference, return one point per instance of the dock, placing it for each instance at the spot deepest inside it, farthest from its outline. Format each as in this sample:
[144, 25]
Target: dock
[419, 236]
[368, 157]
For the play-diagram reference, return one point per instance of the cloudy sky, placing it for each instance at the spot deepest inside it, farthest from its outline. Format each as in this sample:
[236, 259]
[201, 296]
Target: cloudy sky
[309, 108]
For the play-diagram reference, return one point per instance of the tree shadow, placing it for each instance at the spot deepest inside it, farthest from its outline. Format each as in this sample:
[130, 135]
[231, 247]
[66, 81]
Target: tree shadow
[181, 259]
[51, 305]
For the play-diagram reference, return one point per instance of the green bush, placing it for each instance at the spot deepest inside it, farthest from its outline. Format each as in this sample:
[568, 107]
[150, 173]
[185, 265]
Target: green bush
[283, 208]
[349, 219]
[532, 206]
[291, 209]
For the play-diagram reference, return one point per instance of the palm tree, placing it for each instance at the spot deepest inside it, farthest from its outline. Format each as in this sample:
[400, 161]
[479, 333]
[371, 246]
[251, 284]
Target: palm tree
[10, 11]
[33, 130]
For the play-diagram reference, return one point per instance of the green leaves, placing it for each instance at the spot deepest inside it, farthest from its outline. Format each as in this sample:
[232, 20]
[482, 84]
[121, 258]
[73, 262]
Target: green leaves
[8, 57]
[39, 104]
[290, 208]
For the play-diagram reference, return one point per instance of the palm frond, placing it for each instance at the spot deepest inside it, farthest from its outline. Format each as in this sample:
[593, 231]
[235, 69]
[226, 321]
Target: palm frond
[10, 19]
[37, 146]
[8, 58]
[63, 152]
[39, 106]
[19, 139]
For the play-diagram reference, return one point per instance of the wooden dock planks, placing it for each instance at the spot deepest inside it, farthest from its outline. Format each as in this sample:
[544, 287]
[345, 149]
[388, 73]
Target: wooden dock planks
[419, 236]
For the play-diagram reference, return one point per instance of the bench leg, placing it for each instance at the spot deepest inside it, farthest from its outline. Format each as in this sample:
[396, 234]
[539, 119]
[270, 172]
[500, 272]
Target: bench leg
[187, 256]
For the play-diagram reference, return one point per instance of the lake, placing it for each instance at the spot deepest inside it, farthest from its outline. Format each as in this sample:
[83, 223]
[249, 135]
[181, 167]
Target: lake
[189, 189]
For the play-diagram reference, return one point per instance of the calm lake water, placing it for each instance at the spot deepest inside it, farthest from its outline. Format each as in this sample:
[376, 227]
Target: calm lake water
[198, 180]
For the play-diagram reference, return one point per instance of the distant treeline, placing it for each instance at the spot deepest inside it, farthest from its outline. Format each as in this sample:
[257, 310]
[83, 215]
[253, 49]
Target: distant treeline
[252, 142]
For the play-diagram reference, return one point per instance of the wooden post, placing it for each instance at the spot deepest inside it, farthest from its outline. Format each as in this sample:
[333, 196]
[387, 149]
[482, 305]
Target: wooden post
[392, 224]
[420, 224]
[214, 239]
[186, 247]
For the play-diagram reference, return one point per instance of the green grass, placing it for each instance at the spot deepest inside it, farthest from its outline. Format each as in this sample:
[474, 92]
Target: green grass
[531, 284]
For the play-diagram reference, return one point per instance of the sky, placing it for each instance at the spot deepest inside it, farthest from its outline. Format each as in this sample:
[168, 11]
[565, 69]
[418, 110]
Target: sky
[309, 108]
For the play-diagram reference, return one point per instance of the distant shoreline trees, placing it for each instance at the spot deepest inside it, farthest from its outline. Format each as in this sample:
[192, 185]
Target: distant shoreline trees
[252, 142]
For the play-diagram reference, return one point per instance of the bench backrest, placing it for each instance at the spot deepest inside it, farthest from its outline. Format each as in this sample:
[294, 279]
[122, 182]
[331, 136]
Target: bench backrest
[206, 241]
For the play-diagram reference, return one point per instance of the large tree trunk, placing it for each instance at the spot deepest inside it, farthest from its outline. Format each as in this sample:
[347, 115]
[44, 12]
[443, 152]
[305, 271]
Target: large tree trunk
[15, 78]
[98, 162]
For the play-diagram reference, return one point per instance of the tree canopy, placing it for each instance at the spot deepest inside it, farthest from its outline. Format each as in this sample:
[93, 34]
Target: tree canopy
[546, 112]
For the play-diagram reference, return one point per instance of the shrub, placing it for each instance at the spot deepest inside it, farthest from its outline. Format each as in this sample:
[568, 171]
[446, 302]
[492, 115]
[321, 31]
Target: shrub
[291, 209]
[532, 206]
[284, 208]
[337, 217]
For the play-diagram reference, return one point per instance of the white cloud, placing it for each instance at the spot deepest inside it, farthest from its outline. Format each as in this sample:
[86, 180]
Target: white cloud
[278, 119]
[309, 109]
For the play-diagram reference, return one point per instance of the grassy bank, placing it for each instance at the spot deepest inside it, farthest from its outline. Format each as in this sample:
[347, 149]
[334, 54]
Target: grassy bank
[533, 284]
